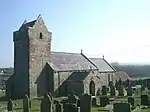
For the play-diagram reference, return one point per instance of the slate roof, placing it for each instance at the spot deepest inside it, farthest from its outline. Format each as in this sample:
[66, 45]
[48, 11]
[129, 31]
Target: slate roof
[28, 24]
[78, 76]
[62, 61]
[121, 74]
[102, 65]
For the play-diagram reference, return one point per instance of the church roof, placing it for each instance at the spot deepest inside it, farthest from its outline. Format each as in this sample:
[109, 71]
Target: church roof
[121, 74]
[62, 61]
[102, 65]
[78, 76]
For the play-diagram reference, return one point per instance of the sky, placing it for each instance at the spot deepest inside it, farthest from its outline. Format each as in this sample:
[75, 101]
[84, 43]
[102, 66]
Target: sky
[117, 29]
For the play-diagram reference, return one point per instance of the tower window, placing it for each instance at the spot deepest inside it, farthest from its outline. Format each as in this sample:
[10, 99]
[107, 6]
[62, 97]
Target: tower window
[41, 36]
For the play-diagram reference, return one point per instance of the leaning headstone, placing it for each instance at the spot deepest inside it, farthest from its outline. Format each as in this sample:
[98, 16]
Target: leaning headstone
[72, 98]
[120, 90]
[104, 100]
[69, 107]
[144, 100]
[46, 104]
[10, 105]
[58, 107]
[129, 91]
[104, 90]
[131, 100]
[121, 107]
[112, 90]
[85, 103]
[26, 103]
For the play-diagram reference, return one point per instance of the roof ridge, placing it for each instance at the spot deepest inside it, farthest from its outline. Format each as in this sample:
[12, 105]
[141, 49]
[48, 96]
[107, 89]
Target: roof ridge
[64, 52]
[89, 60]
[109, 64]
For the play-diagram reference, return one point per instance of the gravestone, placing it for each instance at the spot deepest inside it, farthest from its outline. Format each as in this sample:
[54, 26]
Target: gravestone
[58, 107]
[69, 107]
[120, 90]
[112, 90]
[144, 100]
[85, 103]
[131, 100]
[72, 98]
[121, 107]
[104, 100]
[46, 104]
[10, 105]
[129, 91]
[104, 90]
[94, 102]
[26, 104]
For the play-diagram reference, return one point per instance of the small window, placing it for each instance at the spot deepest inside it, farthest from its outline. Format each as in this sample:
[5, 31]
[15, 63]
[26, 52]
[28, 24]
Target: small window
[41, 36]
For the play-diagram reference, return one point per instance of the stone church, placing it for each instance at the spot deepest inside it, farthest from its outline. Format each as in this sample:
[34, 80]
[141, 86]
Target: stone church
[38, 70]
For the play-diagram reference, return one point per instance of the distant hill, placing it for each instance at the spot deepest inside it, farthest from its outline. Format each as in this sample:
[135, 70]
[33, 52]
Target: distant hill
[133, 70]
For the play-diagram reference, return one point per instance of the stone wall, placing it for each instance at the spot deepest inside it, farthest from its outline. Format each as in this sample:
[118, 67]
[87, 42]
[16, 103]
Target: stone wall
[39, 52]
[20, 83]
[92, 77]
[60, 85]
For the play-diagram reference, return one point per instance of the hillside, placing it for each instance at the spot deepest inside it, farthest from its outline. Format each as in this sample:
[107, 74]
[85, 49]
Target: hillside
[134, 70]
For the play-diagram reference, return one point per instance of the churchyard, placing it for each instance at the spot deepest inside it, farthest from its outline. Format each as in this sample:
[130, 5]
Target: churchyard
[119, 97]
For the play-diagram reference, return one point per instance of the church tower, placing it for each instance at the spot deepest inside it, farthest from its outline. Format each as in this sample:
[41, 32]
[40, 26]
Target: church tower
[32, 50]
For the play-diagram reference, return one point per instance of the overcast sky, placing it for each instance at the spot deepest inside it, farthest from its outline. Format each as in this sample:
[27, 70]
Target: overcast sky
[117, 29]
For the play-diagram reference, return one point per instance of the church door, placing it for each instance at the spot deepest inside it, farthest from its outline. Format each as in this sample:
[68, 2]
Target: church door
[92, 88]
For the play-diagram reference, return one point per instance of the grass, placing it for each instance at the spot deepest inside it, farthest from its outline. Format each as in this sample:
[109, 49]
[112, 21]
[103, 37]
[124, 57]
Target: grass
[35, 105]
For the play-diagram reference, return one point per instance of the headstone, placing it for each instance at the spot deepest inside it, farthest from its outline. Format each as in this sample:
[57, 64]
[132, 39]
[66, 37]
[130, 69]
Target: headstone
[131, 100]
[104, 100]
[121, 107]
[10, 105]
[144, 100]
[129, 91]
[26, 103]
[94, 103]
[112, 90]
[120, 90]
[46, 104]
[72, 98]
[58, 107]
[104, 90]
[69, 107]
[85, 103]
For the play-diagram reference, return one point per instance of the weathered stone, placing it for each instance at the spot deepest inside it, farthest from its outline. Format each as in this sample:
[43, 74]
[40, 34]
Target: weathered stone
[144, 100]
[104, 90]
[112, 90]
[86, 103]
[10, 105]
[104, 100]
[129, 90]
[26, 104]
[121, 107]
[58, 107]
[94, 101]
[120, 90]
[46, 104]
[68, 107]
[131, 100]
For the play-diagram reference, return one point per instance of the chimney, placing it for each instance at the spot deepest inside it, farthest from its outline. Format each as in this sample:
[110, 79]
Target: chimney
[103, 57]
